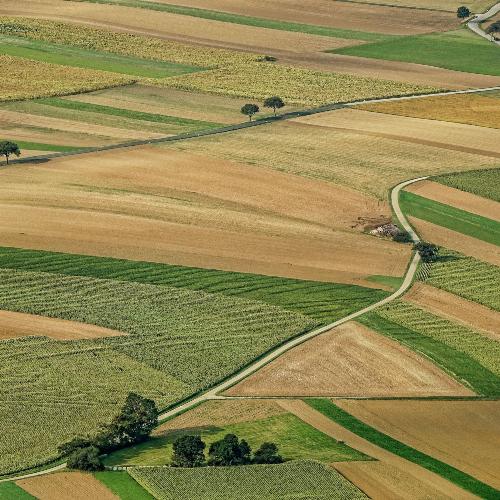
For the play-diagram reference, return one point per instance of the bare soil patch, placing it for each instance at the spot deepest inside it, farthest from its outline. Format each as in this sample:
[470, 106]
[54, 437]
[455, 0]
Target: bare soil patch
[345, 15]
[457, 198]
[168, 206]
[470, 109]
[350, 360]
[464, 434]
[456, 241]
[455, 308]
[66, 486]
[221, 413]
[382, 481]
[13, 325]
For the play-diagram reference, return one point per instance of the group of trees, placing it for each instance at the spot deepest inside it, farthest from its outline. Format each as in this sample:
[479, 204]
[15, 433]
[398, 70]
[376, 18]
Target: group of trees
[274, 102]
[137, 418]
[189, 451]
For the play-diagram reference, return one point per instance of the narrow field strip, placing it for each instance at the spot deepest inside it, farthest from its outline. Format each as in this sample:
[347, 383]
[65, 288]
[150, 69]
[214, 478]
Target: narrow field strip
[450, 217]
[38, 146]
[446, 471]
[123, 485]
[11, 491]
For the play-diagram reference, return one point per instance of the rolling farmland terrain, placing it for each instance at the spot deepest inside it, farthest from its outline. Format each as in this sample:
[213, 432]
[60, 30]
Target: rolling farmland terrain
[249, 250]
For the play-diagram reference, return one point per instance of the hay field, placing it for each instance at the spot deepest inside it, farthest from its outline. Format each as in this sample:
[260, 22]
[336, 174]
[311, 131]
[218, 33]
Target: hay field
[14, 325]
[350, 360]
[464, 434]
[454, 136]
[455, 308]
[371, 18]
[469, 109]
[183, 208]
[457, 198]
[370, 164]
[65, 486]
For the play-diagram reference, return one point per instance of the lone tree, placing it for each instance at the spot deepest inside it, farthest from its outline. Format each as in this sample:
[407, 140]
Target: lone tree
[274, 102]
[188, 452]
[229, 451]
[428, 251]
[8, 148]
[463, 12]
[85, 459]
[267, 454]
[250, 110]
[493, 28]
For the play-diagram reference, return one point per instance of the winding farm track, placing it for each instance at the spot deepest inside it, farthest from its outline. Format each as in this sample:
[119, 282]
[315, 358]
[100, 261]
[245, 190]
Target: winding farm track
[475, 23]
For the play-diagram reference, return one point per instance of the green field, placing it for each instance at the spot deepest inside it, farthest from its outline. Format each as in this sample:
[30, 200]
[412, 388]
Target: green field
[456, 50]
[296, 441]
[452, 218]
[485, 183]
[10, 491]
[36, 146]
[123, 485]
[82, 58]
[298, 480]
[350, 422]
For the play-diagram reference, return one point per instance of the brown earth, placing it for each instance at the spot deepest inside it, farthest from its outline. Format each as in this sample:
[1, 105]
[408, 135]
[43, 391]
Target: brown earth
[471, 109]
[382, 481]
[457, 241]
[450, 306]
[167, 206]
[445, 489]
[344, 15]
[221, 413]
[454, 136]
[448, 5]
[13, 325]
[457, 198]
[464, 434]
[350, 360]
[66, 486]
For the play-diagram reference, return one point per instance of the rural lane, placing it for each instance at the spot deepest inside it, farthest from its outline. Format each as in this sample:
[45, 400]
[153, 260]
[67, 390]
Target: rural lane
[475, 23]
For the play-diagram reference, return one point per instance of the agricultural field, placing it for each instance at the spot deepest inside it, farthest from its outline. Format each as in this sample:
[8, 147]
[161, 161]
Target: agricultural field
[444, 5]
[122, 485]
[481, 183]
[292, 480]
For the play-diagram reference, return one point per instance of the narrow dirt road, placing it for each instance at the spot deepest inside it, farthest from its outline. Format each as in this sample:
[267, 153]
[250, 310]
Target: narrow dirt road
[475, 23]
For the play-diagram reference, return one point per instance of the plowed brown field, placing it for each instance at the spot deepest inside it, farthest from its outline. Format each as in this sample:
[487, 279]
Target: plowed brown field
[449, 5]
[13, 325]
[168, 206]
[464, 434]
[66, 486]
[457, 198]
[350, 360]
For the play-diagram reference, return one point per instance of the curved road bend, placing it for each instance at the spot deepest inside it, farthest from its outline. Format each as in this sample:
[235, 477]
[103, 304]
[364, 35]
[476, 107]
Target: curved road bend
[475, 23]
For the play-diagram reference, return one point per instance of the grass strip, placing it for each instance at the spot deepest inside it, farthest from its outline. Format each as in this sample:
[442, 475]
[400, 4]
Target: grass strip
[456, 50]
[388, 443]
[467, 223]
[65, 55]
[227, 17]
[123, 485]
[127, 113]
[38, 146]
[459, 364]
[11, 491]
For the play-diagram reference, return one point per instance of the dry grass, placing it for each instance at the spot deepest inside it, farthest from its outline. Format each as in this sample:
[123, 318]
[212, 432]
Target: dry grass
[353, 361]
[464, 434]
[470, 109]
[66, 486]
[370, 164]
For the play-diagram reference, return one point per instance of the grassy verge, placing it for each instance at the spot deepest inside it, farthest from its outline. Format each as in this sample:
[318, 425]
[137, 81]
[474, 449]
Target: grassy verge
[37, 146]
[247, 20]
[81, 58]
[485, 183]
[467, 223]
[11, 491]
[123, 485]
[458, 364]
[386, 442]
[392, 282]
[456, 50]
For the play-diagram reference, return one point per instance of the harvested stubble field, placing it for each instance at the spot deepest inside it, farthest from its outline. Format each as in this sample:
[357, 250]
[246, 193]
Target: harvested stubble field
[484, 183]
[346, 361]
[446, 5]
[368, 163]
[188, 209]
[470, 109]
[66, 485]
[464, 434]
[293, 480]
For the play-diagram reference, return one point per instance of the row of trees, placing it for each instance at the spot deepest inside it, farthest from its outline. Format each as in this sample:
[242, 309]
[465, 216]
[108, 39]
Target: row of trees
[189, 451]
[274, 102]
[137, 418]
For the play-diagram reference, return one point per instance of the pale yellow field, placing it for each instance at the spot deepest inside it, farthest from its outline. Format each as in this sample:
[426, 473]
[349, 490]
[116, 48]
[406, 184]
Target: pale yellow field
[464, 434]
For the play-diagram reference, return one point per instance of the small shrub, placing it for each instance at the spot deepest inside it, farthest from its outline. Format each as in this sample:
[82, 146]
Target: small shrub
[463, 12]
[428, 251]
[402, 237]
[85, 459]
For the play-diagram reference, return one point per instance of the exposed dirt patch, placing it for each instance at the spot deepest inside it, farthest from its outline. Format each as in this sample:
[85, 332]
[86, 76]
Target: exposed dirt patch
[464, 434]
[350, 360]
[66, 486]
[457, 198]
